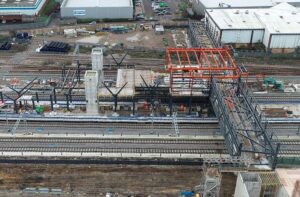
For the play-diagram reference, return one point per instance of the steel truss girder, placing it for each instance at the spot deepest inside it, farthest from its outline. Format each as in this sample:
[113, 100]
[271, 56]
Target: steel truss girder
[226, 126]
[240, 120]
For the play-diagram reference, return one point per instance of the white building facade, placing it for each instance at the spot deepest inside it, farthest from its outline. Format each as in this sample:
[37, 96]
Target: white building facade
[277, 28]
[97, 9]
[200, 6]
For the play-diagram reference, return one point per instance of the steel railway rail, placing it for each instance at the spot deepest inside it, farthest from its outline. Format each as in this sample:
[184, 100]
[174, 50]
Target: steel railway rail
[277, 97]
[149, 125]
[115, 125]
[166, 146]
[112, 140]
[208, 150]
[112, 145]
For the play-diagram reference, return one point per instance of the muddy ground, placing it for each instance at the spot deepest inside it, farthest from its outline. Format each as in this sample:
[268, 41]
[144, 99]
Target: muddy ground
[96, 180]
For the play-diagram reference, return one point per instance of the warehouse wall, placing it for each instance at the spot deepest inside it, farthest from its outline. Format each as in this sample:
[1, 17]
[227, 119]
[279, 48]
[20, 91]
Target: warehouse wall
[285, 41]
[281, 43]
[98, 12]
[242, 36]
[236, 36]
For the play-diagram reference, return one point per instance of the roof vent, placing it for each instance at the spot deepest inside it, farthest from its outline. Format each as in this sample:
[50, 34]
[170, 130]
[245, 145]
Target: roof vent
[229, 25]
[247, 11]
[288, 22]
[244, 21]
[294, 13]
[237, 12]
[281, 16]
[266, 13]
[277, 30]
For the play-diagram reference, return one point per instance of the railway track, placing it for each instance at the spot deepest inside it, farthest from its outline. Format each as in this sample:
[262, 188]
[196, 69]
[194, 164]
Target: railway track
[138, 126]
[115, 125]
[112, 140]
[277, 97]
[160, 146]
[114, 145]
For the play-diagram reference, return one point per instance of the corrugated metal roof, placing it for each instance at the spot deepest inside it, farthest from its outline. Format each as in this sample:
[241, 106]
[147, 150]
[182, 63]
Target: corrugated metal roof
[236, 3]
[235, 19]
[19, 3]
[283, 18]
[242, 3]
[98, 3]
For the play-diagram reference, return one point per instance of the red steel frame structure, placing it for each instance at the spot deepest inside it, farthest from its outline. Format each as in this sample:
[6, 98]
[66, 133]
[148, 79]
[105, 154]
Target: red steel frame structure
[189, 66]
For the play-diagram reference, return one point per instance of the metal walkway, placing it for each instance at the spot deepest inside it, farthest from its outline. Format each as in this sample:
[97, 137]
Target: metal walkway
[241, 122]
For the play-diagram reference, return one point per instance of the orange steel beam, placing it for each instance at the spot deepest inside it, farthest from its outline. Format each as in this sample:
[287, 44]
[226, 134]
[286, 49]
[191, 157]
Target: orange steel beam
[208, 77]
[202, 69]
[201, 63]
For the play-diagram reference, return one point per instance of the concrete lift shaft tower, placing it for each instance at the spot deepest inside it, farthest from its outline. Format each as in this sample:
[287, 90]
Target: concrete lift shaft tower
[91, 92]
[93, 79]
[97, 62]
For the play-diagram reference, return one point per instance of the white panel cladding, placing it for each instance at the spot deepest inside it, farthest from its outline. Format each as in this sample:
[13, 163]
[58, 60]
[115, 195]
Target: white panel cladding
[266, 38]
[258, 36]
[99, 13]
[285, 41]
[276, 27]
[236, 36]
[242, 36]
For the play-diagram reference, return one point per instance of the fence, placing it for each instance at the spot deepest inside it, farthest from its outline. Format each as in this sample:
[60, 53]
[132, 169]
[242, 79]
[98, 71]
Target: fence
[289, 160]
[40, 22]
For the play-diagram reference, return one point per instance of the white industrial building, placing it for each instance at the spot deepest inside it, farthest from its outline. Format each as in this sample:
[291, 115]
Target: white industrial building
[278, 28]
[97, 9]
[200, 6]
[18, 10]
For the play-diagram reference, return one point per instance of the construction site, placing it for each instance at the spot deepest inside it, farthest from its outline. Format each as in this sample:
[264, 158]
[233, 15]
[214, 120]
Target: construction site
[146, 109]
[200, 108]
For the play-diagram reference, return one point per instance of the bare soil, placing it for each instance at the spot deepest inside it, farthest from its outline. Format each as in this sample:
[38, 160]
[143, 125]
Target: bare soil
[96, 180]
[228, 183]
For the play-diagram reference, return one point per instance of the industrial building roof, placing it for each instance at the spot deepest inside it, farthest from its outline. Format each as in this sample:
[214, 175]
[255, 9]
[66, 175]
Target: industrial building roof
[282, 18]
[236, 3]
[243, 3]
[98, 3]
[18, 3]
[235, 19]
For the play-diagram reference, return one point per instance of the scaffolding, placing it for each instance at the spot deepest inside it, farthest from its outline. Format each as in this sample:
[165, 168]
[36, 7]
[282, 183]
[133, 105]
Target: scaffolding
[191, 69]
